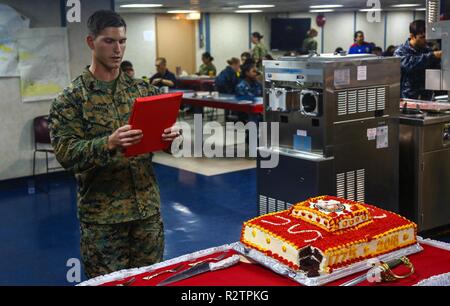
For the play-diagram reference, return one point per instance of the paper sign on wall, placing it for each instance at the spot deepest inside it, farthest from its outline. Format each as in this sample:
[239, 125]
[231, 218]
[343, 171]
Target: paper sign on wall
[362, 73]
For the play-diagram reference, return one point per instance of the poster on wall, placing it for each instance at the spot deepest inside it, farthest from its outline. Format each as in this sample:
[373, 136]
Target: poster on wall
[11, 22]
[43, 63]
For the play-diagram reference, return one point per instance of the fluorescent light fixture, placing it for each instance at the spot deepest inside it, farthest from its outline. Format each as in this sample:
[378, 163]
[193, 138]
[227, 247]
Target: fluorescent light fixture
[321, 11]
[248, 11]
[182, 12]
[325, 6]
[140, 5]
[421, 9]
[255, 6]
[193, 16]
[405, 5]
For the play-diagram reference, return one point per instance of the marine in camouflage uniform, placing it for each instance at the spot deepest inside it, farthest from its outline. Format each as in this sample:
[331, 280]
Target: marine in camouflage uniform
[209, 70]
[258, 53]
[118, 197]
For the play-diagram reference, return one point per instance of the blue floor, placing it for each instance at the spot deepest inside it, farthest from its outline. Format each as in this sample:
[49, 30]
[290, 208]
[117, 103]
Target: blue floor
[39, 232]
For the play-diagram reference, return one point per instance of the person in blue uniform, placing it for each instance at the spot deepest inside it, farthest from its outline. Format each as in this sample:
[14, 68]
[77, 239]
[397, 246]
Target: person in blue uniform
[228, 79]
[249, 88]
[360, 46]
[163, 77]
[416, 57]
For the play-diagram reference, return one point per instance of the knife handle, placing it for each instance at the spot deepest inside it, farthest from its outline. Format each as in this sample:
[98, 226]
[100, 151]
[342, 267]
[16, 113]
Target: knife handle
[394, 263]
[228, 262]
[390, 276]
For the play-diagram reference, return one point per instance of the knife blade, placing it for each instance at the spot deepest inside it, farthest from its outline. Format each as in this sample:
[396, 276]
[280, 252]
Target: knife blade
[201, 268]
[373, 271]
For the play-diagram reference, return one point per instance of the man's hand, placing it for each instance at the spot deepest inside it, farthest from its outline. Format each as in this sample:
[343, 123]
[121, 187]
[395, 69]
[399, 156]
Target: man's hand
[156, 81]
[171, 133]
[124, 137]
[437, 54]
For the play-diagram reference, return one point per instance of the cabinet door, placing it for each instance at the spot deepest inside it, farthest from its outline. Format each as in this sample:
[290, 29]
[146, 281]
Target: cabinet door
[435, 201]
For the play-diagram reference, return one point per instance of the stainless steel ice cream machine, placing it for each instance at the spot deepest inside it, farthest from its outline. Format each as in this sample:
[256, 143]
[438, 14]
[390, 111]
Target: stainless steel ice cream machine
[338, 130]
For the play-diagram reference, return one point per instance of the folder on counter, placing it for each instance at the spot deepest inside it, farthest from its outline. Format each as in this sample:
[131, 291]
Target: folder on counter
[153, 115]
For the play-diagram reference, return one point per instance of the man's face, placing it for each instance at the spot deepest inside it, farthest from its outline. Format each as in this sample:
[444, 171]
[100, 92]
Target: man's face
[130, 72]
[252, 73]
[419, 40]
[360, 38]
[160, 67]
[109, 46]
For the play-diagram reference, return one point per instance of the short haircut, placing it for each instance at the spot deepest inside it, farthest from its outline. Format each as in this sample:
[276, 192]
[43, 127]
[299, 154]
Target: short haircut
[162, 60]
[417, 27]
[103, 19]
[358, 32]
[126, 65]
[257, 35]
[247, 67]
[207, 55]
[246, 54]
[312, 32]
[233, 61]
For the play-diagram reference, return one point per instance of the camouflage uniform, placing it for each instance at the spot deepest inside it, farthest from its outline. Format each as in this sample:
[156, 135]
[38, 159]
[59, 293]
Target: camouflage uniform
[209, 70]
[118, 197]
[258, 54]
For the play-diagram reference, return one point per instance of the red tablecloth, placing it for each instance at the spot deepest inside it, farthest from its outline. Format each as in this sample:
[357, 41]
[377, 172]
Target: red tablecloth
[431, 261]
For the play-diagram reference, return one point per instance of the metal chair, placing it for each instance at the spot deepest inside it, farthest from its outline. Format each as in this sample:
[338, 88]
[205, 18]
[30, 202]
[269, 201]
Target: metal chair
[42, 137]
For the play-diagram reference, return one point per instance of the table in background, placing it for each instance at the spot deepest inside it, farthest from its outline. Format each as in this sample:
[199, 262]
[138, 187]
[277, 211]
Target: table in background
[196, 83]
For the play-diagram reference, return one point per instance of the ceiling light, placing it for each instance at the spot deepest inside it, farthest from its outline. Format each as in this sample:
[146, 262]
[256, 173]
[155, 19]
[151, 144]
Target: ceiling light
[405, 5]
[421, 9]
[255, 6]
[321, 11]
[248, 11]
[193, 16]
[182, 12]
[325, 6]
[140, 5]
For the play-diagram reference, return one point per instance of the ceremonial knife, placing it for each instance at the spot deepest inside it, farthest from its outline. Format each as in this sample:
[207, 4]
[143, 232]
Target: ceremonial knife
[372, 272]
[201, 268]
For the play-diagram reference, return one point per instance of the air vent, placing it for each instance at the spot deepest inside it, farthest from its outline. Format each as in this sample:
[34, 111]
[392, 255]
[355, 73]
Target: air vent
[351, 185]
[360, 185]
[371, 99]
[342, 103]
[433, 8]
[381, 98]
[262, 205]
[351, 101]
[272, 207]
[340, 182]
[362, 100]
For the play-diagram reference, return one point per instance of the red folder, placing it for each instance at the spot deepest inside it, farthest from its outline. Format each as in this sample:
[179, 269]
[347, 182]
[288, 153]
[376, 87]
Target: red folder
[153, 115]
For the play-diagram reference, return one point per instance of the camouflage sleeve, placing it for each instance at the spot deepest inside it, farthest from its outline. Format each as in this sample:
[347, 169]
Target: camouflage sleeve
[202, 70]
[257, 53]
[72, 150]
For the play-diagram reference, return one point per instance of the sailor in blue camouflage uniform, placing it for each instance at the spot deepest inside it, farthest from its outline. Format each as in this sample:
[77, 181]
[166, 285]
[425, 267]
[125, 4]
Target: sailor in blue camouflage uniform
[118, 197]
[416, 57]
[249, 88]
